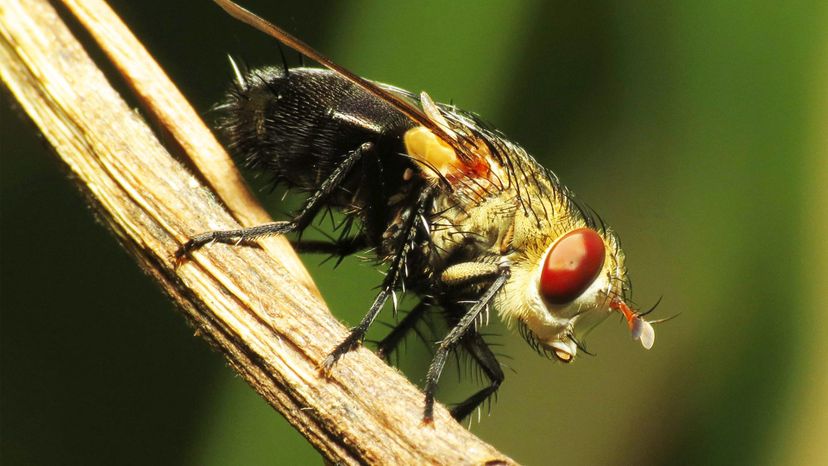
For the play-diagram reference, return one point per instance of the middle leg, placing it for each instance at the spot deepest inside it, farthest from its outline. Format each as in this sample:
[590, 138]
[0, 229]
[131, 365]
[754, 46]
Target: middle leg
[405, 241]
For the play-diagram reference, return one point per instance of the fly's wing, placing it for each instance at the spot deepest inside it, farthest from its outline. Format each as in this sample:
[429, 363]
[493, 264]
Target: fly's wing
[442, 142]
[412, 112]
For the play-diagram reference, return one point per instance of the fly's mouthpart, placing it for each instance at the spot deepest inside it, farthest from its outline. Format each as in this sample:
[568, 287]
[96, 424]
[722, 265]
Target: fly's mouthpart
[563, 349]
[640, 329]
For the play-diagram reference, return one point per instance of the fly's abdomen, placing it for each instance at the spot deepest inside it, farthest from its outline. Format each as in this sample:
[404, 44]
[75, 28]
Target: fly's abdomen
[298, 125]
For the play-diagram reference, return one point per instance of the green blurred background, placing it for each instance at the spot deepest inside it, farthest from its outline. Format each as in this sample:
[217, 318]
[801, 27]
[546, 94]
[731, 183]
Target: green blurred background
[697, 129]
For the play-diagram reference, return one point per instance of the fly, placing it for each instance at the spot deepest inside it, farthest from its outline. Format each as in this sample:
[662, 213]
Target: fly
[461, 216]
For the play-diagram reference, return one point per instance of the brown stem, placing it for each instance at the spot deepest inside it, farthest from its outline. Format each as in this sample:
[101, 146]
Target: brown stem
[257, 306]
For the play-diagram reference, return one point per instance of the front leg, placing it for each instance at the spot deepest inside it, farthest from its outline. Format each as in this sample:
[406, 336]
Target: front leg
[455, 336]
[469, 273]
[474, 344]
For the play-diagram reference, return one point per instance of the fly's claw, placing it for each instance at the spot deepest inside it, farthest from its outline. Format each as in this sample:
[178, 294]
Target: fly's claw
[182, 254]
[351, 342]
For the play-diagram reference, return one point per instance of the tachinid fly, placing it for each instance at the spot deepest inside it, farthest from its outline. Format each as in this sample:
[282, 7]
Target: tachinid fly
[462, 217]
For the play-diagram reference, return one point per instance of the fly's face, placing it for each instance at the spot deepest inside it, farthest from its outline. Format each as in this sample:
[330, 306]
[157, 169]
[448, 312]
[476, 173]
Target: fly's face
[566, 280]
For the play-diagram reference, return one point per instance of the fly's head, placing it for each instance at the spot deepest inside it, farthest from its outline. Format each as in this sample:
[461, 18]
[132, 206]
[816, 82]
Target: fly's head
[567, 271]
[568, 275]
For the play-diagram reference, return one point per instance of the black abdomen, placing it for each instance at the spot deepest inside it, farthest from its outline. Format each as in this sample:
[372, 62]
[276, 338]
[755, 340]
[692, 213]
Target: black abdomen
[298, 125]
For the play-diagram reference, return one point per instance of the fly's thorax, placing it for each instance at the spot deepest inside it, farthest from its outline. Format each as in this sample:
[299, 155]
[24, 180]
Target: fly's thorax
[480, 228]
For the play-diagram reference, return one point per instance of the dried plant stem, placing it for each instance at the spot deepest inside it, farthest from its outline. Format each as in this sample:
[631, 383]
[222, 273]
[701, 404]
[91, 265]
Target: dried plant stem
[257, 306]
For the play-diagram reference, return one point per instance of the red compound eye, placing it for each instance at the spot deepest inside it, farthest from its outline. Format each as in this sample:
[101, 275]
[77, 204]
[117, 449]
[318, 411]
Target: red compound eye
[572, 264]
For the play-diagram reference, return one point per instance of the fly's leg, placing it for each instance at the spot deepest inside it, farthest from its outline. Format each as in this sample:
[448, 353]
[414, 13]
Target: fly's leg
[482, 354]
[337, 247]
[456, 334]
[302, 220]
[393, 339]
[466, 273]
[455, 275]
[407, 235]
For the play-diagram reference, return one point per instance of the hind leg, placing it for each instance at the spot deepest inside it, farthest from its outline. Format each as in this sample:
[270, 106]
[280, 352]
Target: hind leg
[302, 220]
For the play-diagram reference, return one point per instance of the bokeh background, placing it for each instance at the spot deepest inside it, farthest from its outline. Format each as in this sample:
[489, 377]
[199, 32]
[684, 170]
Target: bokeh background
[699, 130]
